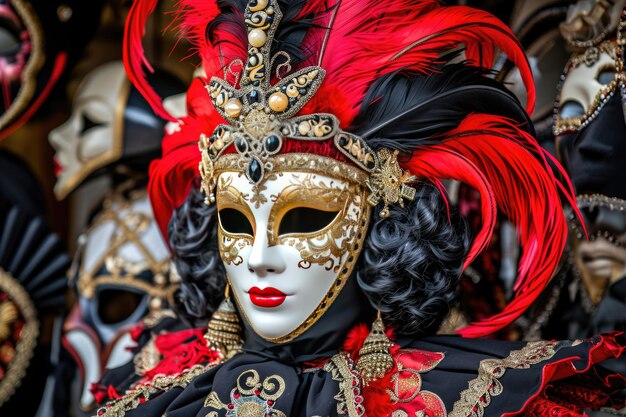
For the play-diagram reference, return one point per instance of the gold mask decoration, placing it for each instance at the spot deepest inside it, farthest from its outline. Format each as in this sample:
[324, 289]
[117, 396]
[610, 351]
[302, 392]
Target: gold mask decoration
[588, 66]
[260, 117]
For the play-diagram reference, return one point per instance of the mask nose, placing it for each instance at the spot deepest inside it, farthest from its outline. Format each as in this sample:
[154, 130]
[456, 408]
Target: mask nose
[265, 260]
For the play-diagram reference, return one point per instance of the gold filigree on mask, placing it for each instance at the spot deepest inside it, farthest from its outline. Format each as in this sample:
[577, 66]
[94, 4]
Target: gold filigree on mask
[337, 246]
[327, 247]
[590, 57]
[230, 244]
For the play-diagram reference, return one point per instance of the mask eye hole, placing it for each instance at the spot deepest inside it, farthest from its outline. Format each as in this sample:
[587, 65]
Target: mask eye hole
[115, 306]
[235, 222]
[571, 109]
[305, 220]
[88, 124]
[605, 76]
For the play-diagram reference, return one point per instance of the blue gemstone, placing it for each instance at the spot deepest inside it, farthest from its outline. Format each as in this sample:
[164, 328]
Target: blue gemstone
[255, 171]
[272, 143]
[253, 97]
[302, 91]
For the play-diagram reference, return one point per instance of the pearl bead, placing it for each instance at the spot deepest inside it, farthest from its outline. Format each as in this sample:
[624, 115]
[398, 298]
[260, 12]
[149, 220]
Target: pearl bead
[257, 38]
[278, 102]
[292, 91]
[233, 107]
[304, 128]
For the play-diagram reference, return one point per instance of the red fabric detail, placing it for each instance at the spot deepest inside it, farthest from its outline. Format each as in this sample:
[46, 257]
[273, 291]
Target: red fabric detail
[511, 173]
[57, 70]
[136, 332]
[180, 351]
[543, 407]
[607, 347]
[133, 54]
[104, 393]
[376, 398]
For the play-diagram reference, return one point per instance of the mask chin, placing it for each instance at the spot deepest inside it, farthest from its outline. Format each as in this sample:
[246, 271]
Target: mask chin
[289, 245]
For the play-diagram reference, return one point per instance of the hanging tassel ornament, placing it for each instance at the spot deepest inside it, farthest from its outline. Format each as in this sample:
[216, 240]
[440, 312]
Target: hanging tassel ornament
[224, 329]
[374, 357]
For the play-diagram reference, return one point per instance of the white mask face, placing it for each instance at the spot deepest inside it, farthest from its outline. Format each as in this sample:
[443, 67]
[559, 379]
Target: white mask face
[91, 138]
[582, 85]
[288, 246]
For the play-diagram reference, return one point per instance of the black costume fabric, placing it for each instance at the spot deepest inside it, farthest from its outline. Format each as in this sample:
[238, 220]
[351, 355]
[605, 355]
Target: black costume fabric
[495, 377]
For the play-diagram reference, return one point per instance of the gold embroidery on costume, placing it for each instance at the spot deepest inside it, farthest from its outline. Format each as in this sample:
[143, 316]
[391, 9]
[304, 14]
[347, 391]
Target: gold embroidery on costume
[148, 358]
[252, 397]
[349, 399]
[16, 308]
[143, 393]
[406, 384]
[478, 395]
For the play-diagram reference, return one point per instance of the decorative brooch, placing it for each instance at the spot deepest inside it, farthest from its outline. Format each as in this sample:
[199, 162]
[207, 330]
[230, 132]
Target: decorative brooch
[260, 115]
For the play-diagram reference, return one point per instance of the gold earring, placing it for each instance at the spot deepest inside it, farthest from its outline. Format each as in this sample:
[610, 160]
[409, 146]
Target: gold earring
[224, 329]
[374, 357]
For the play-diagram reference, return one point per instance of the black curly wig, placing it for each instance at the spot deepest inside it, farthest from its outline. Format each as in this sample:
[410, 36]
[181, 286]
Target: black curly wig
[409, 268]
[193, 238]
[412, 262]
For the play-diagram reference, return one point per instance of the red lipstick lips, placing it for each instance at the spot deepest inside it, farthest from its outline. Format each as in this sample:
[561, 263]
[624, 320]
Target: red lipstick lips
[57, 167]
[267, 297]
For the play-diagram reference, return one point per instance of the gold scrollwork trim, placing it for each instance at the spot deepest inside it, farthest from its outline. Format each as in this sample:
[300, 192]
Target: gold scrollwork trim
[144, 392]
[300, 162]
[28, 337]
[487, 384]
[342, 370]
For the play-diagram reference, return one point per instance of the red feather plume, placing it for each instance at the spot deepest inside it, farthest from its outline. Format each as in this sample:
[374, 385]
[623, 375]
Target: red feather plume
[508, 168]
[172, 175]
[369, 39]
[229, 43]
[134, 58]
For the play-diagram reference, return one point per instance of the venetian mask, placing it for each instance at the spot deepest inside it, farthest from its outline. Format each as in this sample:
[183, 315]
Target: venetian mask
[590, 129]
[111, 124]
[92, 137]
[289, 244]
[121, 274]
